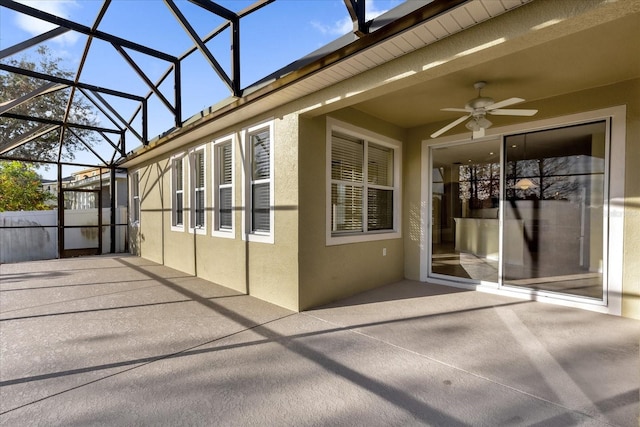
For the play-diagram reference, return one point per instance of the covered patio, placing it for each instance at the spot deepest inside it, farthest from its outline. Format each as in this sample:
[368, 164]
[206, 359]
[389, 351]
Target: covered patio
[121, 340]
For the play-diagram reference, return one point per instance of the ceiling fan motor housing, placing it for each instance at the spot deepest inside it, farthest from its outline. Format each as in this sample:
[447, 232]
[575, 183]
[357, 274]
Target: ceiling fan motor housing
[480, 102]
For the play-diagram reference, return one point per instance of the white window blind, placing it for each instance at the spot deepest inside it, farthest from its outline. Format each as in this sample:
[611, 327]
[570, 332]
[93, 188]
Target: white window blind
[198, 182]
[135, 187]
[225, 186]
[261, 182]
[177, 211]
[380, 191]
[362, 197]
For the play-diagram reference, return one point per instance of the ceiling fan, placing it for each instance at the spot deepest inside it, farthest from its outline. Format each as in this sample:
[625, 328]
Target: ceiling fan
[478, 108]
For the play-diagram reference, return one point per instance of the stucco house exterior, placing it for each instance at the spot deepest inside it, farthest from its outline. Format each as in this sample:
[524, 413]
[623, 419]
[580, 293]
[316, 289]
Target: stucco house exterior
[324, 179]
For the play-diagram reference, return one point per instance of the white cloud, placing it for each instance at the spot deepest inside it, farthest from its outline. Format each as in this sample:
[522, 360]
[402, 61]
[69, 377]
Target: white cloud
[345, 25]
[36, 27]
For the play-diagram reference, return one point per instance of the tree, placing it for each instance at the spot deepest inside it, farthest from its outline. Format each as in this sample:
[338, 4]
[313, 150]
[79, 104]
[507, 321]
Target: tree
[47, 106]
[20, 188]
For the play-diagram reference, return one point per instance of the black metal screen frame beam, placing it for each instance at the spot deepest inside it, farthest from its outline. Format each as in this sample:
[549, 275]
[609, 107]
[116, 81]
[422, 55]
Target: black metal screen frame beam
[25, 139]
[88, 146]
[71, 83]
[118, 116]
[12, 50]
[191, 32]
[58, 123]
[144, 77]
[42, 90]
[357, 12]
[71, 25]
[64, 25]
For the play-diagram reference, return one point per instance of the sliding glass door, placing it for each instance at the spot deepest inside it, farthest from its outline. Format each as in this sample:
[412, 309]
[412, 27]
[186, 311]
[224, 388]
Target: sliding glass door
[465, 216]
[553, 210]
[531, 219]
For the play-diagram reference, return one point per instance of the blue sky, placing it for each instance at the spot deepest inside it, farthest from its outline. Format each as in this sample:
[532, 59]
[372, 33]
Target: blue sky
[271, 38]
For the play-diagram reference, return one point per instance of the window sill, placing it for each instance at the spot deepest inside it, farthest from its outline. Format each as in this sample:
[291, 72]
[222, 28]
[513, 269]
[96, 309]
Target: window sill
[225, 234]
[259, 237]
[333, 240]
[200, 231]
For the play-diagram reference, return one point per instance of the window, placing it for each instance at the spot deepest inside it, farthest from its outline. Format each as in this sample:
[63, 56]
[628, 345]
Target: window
[177, 193]
[363, 193]
[223, 172]
[135, 191]
[258, 220]
[198, 178]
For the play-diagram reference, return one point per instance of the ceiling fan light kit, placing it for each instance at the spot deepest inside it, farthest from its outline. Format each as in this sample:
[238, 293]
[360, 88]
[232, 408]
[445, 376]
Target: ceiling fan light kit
[479, 107]
[525, 184]
[477, 123]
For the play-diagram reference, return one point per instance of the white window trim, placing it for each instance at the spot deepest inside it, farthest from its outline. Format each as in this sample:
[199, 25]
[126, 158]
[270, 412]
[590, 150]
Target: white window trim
[614, 205]
[192, 189]
[135, 222]
[173, 158]
[396, 233]
[215, 195]
[247, 234]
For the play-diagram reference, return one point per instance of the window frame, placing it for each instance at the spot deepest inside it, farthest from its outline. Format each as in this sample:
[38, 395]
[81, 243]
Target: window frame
[616, 118]
[175, 226]
[135, 196]
[193, 189]
[216, 168]
[247, 176]
[368, 137]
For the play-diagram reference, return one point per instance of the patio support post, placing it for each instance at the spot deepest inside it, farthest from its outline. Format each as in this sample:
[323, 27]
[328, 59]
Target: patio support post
[178, 94]
[112, 227]
[60, 212]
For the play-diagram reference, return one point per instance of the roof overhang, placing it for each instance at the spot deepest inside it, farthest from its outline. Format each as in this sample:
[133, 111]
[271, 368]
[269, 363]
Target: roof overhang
[451, 43]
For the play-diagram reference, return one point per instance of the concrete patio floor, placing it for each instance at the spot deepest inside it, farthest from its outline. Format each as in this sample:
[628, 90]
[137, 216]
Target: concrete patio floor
[119, 340]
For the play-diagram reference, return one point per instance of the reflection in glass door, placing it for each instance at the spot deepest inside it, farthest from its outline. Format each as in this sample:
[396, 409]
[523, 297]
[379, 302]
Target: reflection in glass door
[465, 210]
[553, 210]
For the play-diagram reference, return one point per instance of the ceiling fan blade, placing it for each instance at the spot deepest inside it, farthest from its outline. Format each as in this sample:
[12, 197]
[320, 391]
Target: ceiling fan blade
[459, 110]
[504, 103]
[512, 112]
[449, 126]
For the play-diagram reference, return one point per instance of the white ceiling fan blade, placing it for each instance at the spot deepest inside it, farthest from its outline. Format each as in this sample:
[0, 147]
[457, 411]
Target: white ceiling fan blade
[513, 112]
[459, 110]
[449, 126]
[504, 103]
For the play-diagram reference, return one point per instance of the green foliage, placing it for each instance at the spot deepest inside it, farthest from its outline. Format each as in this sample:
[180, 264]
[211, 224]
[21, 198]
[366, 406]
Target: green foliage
[20, 188]
[51, 105]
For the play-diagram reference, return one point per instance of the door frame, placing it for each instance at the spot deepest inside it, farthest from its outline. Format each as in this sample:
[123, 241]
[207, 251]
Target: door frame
[613, 210]
[68, 253]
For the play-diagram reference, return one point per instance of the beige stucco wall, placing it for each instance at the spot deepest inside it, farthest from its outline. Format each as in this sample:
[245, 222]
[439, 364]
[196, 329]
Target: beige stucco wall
[328, 273]
[148, 242]
[623, 93]
[300, 270]
[267, 271]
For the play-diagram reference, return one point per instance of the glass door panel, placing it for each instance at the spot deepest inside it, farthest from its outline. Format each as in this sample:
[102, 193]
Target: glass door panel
[553, 210]
[465, 194]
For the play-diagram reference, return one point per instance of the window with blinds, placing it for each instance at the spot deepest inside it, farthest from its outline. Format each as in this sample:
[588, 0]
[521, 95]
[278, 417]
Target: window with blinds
[224, 185]
[135, 191]
[362, 185]
[198, 189]
[260, 146]
[177, 206]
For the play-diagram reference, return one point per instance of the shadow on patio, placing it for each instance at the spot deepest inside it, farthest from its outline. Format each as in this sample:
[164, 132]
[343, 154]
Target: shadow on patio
[120, 340]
